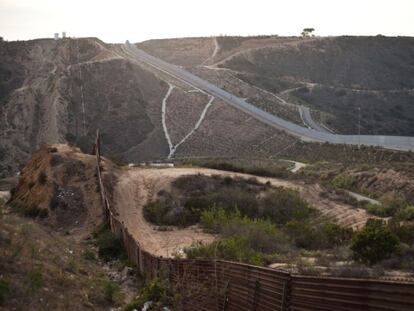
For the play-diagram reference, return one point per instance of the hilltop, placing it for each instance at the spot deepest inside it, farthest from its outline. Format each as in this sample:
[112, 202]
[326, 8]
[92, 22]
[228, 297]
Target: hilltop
[62, 91]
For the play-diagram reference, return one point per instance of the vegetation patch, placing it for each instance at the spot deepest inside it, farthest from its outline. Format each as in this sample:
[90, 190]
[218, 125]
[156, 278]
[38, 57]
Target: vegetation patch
[274, 169]
[260, 241]
[374, 243]
[109, 245]
[156, 290]
[250, 198]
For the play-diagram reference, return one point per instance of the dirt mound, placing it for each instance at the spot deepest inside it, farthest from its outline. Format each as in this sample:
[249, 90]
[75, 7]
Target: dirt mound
[59, 185]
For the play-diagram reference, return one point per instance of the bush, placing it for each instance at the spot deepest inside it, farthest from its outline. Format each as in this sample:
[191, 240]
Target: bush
[155, 212]
[261, 235]
[379, 210]
[109, 245]
[403, 230]
[155, 290]
[317, 235]
[283, 205]
[305, 235]
[391, 205]
[345, 182]
[374, 243]
[110, 290]
[406, 213]
[336, 235]
[234, 249]
[4, 291]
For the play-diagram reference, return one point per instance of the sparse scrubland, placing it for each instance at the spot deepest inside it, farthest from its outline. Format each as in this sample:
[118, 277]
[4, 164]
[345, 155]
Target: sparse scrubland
[263, 225]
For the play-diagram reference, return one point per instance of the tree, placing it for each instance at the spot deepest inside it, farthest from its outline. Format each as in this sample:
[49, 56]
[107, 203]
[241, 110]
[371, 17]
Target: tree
[307, 32]
[374, 243]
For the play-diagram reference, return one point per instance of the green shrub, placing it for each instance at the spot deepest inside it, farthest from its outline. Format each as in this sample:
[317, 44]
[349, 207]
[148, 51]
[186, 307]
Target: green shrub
[234, 249]
[213, 219]
[378, 210]
[283, 205]
[391, 205]
[109, 245]
[406, 213]
[403, 230]
[155, 290]
[317, 235]
[155, 212]
[345, 182]
[280, 205]
[4, 291]
[110, 290]
[374, 243]
[336, 235]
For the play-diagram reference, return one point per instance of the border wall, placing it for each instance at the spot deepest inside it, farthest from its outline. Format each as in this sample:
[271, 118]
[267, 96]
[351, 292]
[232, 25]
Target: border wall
[223, 285]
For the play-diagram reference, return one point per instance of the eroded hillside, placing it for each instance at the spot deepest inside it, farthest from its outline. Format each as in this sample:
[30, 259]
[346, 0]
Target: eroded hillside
[62, 91]
[331, 76]
[53, 247]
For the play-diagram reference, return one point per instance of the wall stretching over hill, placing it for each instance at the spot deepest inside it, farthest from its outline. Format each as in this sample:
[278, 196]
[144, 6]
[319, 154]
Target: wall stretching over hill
[222, 285]
[389, 142]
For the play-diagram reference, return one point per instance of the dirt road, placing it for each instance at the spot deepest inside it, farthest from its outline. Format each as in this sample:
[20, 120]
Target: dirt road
[137, 186]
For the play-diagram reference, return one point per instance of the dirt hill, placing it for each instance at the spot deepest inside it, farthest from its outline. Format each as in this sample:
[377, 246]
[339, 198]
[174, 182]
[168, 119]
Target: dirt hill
[62, 91]
[51, 238]
[333, 76]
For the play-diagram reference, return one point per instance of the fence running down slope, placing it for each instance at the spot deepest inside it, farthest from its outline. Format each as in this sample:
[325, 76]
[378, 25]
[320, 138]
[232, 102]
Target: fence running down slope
[223, 285]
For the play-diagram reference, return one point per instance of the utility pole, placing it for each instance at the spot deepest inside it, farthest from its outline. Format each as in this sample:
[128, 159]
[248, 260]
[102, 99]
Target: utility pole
[359, 127]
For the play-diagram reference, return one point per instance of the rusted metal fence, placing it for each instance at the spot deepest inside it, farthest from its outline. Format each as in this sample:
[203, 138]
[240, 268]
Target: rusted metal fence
[222, 285]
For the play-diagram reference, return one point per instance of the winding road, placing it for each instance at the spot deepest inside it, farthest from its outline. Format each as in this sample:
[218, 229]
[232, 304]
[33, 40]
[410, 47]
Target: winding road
[306, 134]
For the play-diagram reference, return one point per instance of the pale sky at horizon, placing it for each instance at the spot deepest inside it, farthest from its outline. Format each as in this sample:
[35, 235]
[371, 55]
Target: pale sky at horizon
[117, 21]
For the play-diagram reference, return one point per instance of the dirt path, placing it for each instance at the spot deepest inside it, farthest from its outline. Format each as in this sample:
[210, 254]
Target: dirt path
[138, 186]
[164, 125]
[216, 49]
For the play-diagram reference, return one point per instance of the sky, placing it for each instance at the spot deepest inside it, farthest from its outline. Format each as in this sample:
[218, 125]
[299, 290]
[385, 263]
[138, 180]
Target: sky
[117, 21]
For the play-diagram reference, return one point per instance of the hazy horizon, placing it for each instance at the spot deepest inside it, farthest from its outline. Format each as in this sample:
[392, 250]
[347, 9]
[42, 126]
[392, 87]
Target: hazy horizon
[23, 20]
